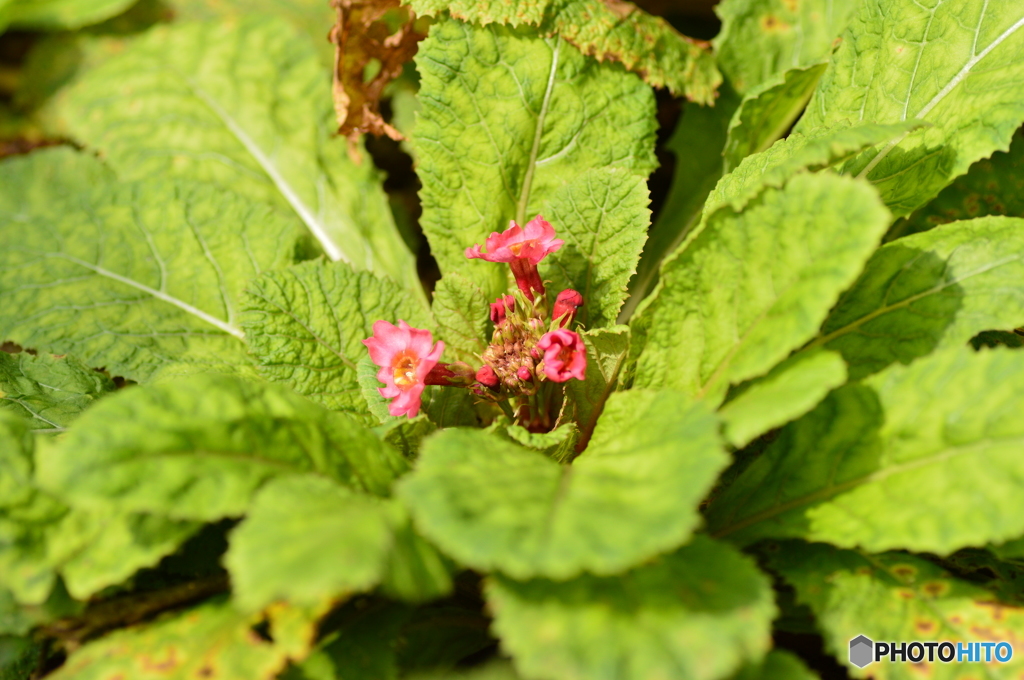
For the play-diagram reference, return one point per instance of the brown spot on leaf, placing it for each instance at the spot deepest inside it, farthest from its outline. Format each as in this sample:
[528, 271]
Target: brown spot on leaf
[925, 626]
[935, 588]
[791, 5]
[771, 23]
[373, 40]
[905, 593]
[904, 572]
[169, 663]
[205, 671]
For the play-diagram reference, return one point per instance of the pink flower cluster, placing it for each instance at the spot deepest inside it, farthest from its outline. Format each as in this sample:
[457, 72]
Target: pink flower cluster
[528, 349]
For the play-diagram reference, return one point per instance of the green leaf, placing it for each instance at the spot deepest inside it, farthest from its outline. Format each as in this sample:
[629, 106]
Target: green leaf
[931, 290]
[507, 119]
[559, 444]
[450, 407]
[790, 390]
[307, 540]
[645, 44]
[698, 143]
[40, 536]
[205, 101]
[697, 613]
[895, 596]
[990, 187]
[606, 353]
[818, 149]
[761, 39]
[212, 641]
[414, 570]
[405, 434]
[200, 447]
[53, 15]
[305, 326]
[19, 657]
[602, 216]
[777, 665]
[633, 494]
[312, 16]
[752, 286]
[129, 276]
[461, 311]
[49, 390]
[894, 461]
[955, 64]
[768, 111]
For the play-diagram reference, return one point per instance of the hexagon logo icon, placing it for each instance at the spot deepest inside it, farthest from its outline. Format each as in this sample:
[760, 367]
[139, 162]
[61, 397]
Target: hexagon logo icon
[861, 651]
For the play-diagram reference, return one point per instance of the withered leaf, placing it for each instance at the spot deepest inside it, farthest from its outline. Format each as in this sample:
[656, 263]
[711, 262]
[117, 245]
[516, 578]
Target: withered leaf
[373, 39]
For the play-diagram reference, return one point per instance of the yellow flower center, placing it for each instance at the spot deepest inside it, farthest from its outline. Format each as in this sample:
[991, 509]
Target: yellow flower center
[517, 247]
[405, 369]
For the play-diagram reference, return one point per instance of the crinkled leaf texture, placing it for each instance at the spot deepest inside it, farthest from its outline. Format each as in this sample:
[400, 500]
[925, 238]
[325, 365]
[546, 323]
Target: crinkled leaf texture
[896, 596]
[50, 391]
[922, 457]
[200, 447]
[602, 216]
[931, 290]
[130, 276]
[697, 613]
[752, 286]
[633, 493]
[508, 118]
[606, 353]
[761, 39]
[205, 101]
[460, 312]
[305, 326]
[41, 537]
[956, 64]
[211, 641]
[607, 30]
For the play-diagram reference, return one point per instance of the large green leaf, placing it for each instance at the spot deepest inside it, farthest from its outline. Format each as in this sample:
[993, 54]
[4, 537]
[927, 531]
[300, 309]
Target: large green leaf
[922, 457]
[507, 119]
[200, 447]
[790, 390]
[752, 286]
[305, 326]
[617, 31]
[896, 597]
[991, 187]
[955, 64]
[40, 536]
[206, 101]
[764, 38]
[819, 149]
[602, 216]
[768, 111]
[697, 142]
[212, 641]
[631, 495]
[697, 613]
[929, 290]
[131, 276]
[49, 390]
[461, 311]
[307, 540]
[49, 15]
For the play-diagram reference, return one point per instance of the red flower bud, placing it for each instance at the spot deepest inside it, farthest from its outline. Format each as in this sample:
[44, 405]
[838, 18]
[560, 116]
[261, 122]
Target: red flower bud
[487, 376]
[499, 308]
[566, 304]
[524, 373]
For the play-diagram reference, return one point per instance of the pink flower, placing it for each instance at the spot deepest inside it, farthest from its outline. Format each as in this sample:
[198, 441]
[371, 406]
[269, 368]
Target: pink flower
[500, 307]
[405, 358]
[522, 249]
[565, 356]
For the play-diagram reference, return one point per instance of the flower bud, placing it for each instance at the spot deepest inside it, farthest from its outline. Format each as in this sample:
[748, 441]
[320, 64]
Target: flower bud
[566, 304]
[487, 376]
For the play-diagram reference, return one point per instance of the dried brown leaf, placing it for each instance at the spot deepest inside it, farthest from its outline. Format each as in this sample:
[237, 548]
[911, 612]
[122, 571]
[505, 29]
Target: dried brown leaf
[368, 34]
